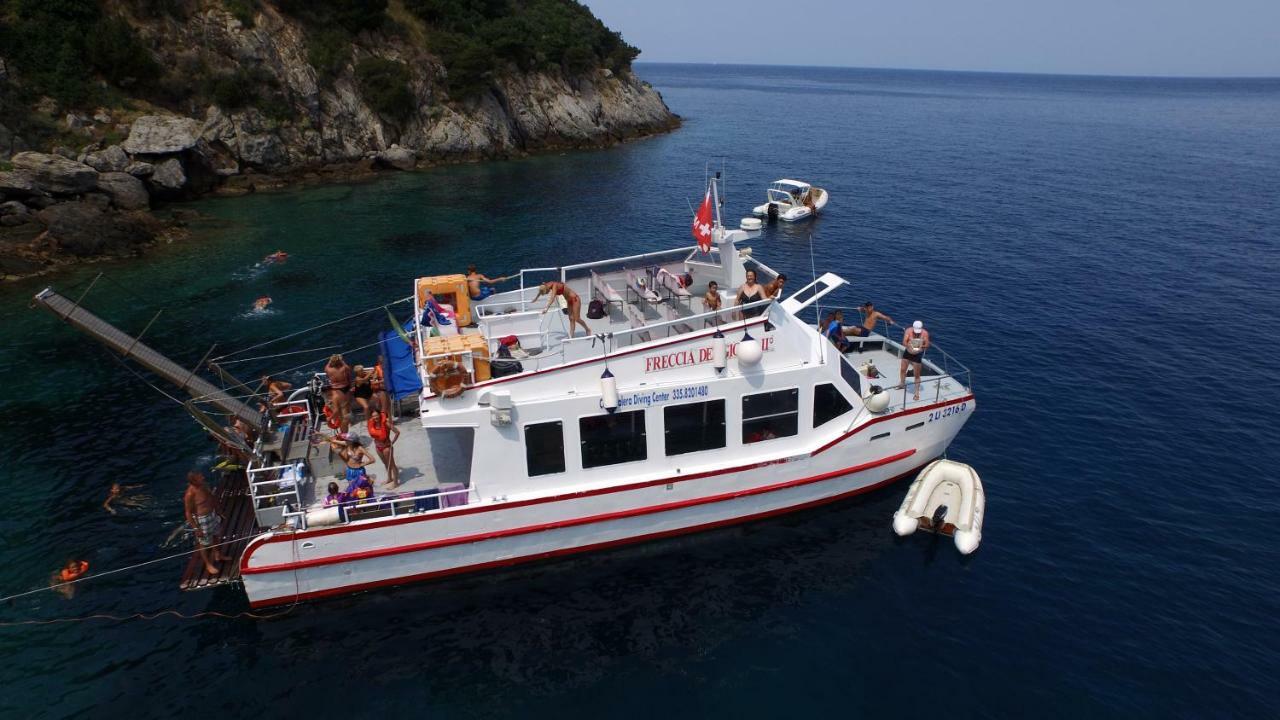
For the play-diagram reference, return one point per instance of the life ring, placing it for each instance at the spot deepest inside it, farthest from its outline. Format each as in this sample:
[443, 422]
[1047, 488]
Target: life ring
[68, 574]
[448, 377]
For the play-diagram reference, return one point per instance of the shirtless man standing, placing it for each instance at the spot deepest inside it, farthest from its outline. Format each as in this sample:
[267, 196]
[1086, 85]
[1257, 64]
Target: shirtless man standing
[201, 509]
[916, 341]
[340, 381]
[870, 316]
[474, 278]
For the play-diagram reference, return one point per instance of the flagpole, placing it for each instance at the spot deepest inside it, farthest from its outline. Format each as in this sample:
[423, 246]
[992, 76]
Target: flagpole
[715, 199]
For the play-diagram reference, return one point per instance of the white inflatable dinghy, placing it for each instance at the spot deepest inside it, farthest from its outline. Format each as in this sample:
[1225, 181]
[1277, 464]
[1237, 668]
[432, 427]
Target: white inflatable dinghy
[946, 498]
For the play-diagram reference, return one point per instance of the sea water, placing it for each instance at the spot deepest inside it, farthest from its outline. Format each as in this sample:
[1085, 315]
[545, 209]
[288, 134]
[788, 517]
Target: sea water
[1102, 252]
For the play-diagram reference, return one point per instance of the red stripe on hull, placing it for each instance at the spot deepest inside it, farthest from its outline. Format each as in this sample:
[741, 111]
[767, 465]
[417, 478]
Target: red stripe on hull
[574, 522]
[256, 542]
[507, 562]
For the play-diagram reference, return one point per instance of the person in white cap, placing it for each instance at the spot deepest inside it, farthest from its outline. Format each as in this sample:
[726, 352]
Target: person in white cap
[916, 341]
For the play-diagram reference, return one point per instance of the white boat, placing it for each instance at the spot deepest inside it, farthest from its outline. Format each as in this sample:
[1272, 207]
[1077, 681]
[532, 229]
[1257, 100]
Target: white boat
[668, 419]
[792, 200]
[946, 498]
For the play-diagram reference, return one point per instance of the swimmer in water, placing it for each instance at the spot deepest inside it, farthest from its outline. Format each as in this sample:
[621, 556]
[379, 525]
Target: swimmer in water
[278, 256]
[116, 494]
[72, 570]
[260, 305]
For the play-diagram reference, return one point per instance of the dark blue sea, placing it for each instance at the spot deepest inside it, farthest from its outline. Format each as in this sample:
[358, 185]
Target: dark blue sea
[1104, 253]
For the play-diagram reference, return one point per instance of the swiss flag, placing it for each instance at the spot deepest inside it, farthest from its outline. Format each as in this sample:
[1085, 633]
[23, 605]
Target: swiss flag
[702, 224]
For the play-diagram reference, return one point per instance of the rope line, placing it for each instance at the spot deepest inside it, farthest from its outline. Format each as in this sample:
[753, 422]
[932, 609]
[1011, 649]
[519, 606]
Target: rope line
[313, 328]
[116, 571]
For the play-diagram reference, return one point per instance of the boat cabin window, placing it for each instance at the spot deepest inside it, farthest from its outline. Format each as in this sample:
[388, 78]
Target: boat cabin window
[770, 415]
[693, 427]
[544, 448]
[828, 404]
[613, 438]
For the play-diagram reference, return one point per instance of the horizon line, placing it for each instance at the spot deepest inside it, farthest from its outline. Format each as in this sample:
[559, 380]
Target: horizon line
[1122, 76]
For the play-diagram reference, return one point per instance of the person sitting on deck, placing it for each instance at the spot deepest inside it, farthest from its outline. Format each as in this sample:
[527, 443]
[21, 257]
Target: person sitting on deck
[201, 510]
[750, 292]
[339, 374]
[834, 330]
[916, 342]
[277, 390]
[556, 289]
[384, 434]
[478, 291]
[774, 288]
[335, 496]
[870, 316]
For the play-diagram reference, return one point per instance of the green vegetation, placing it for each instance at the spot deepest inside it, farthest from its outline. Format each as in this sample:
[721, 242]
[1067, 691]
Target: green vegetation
[60, 45]
[328, 50]
[385, 86]
[474, 38]
[242, 10]
[248, 87]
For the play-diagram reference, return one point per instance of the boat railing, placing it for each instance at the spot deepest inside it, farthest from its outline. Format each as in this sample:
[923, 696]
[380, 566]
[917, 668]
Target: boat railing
[407, 503]
[266, 483]
[939, 361]
[569, 272]
[725, 318]
[751, 263]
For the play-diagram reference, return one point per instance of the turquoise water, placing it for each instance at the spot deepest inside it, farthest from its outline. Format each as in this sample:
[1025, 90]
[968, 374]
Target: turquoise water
[1102, 252]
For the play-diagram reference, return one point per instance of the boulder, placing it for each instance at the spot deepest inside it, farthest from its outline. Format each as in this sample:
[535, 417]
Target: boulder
[14, 213]
[113, 159]
[140, 169]
[57, 174]
[14, 182]
[84, 229]
[126, 191]
[169, 175]
[9, 143]
[161, 134]
[397, 157]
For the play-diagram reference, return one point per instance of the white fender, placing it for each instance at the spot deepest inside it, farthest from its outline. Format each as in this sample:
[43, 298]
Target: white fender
[749, 352]
[943, 482]
[877, 402]
[719, 352]
[608, 391]
[324, 516]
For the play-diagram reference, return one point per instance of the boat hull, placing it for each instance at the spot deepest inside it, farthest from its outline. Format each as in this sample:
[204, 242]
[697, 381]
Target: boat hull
[286, 567]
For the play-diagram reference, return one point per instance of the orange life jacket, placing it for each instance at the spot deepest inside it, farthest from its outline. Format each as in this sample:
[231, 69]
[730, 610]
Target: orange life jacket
[331, 419]
[379, 428]
[68, 574]
[375, 383]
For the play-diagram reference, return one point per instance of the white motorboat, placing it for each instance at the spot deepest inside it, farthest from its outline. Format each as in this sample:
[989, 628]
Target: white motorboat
[792, 200]
[669, 418]
[946, 498]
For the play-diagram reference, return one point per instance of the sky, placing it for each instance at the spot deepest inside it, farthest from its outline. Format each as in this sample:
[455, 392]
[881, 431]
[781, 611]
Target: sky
[1090, 37]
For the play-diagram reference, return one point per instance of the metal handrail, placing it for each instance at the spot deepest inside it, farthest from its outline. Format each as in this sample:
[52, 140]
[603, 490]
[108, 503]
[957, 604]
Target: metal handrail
[389, 501]
[948, 359]
[688, 320]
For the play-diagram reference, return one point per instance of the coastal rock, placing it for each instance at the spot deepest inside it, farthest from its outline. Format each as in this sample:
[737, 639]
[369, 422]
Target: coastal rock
[246, 136]
[57, 174]
[397, 157]
[84, 230]
[17, 183]
[14, 213]
[126, 191]
[140, 169]
[161, 134]
[169, 176]
[10, 143]
[112, 159]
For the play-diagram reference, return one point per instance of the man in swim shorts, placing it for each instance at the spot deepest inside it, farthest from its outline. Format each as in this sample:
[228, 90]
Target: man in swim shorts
[916, 341]
[201, 509]
[870, 316]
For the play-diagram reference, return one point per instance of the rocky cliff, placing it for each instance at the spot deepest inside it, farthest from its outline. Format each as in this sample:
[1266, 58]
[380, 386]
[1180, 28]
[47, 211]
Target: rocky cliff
[105, 166]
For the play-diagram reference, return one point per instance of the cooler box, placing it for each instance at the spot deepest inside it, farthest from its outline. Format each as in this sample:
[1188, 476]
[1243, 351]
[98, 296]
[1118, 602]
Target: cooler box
[450, 290]
[476, 345]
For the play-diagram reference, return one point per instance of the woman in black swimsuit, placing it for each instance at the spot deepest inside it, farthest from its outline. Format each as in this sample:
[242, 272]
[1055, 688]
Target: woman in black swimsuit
[751, 292]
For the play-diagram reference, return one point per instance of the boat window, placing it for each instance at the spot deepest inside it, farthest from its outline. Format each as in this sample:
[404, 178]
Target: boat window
[850, 375]
[770, 415]
[612, 439]
[917, 425]
[694, 427]
[881, 436]
[828, 404]
[544, 448]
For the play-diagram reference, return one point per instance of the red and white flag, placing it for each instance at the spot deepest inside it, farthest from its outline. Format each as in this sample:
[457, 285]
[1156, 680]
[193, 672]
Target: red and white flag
[702, 223]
